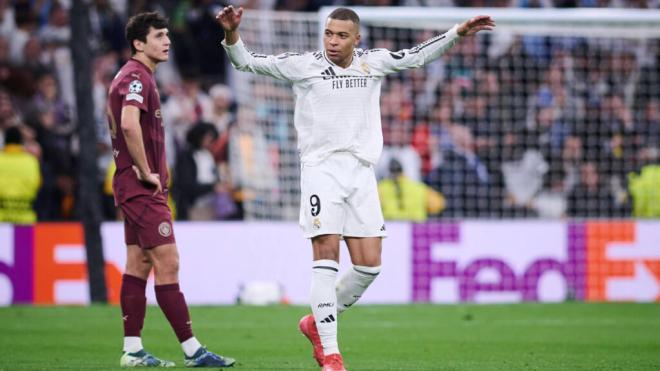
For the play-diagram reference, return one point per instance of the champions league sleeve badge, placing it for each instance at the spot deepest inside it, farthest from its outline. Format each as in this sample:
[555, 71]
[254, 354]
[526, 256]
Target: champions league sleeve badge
[135, 87]
[134, 90]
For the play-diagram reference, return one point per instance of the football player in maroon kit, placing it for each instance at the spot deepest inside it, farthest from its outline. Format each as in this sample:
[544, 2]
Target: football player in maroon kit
[140, 190]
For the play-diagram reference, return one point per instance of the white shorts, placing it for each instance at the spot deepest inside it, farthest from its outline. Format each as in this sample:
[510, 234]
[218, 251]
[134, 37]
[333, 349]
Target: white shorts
[340, 196]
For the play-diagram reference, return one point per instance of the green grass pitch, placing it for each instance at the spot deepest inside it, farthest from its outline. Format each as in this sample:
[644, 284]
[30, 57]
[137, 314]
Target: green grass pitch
[570, 336]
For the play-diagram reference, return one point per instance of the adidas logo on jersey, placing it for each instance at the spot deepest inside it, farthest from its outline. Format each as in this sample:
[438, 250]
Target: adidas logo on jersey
[328, 74]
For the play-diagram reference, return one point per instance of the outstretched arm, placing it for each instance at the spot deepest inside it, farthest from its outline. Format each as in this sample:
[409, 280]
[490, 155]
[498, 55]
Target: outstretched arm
[386, 62]
[229, 18]
[475, 24]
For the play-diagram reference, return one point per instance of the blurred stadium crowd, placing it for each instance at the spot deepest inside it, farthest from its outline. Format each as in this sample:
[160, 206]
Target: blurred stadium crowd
[531, 126]
[543, 127]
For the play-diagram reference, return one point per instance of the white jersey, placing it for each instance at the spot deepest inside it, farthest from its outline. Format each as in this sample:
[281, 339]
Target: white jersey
[338, 109]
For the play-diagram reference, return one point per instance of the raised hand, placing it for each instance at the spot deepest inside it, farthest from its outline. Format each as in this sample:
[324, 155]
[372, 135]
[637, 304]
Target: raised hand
[229, 18]
[476, 24]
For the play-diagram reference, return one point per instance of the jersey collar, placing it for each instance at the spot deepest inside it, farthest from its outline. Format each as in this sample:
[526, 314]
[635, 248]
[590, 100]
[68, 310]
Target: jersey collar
[335, 65]
[144, 66]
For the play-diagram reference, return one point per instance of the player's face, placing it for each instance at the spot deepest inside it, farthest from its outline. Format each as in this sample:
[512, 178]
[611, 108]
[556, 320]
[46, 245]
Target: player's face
[157, 47]
[339, 40]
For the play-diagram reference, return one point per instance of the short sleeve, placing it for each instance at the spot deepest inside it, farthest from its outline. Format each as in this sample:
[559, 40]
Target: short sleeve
[134, 90]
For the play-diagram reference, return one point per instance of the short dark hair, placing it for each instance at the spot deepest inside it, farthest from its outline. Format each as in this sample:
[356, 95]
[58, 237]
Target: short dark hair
[345, 14]
[138, 27]
[13, 135]
[198, 132]
[395, 167]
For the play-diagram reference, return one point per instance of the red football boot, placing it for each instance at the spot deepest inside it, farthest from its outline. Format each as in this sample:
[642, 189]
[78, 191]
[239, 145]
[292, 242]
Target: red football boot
[307, 326]
[333, 362]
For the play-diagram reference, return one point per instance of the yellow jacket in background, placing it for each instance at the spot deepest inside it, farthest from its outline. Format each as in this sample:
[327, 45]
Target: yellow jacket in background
[645, 191]
[406, 199]
[20, 179]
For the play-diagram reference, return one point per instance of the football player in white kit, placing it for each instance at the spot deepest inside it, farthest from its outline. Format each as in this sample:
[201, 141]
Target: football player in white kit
[337, 118]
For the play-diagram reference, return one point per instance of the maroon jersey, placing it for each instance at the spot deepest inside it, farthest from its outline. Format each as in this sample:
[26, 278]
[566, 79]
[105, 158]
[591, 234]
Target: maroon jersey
[135, 85]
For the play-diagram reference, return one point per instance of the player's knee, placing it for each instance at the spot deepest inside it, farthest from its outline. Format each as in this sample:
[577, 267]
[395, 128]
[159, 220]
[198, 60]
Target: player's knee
[167, 267]
[366, 260]
[138, 268]
[327, 254]
[326, 247]
[172, 265]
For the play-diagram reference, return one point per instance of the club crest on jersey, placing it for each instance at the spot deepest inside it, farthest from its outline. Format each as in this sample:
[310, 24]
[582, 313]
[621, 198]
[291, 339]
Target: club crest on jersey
[135, 87]
[165, 229]
[365, 68]
[316, 224]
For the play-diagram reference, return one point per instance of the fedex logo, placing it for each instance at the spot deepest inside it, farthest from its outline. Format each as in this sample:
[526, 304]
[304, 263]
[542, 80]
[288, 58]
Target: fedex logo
[45, 264]
[494, 262]
[535, 261]
[623, 260]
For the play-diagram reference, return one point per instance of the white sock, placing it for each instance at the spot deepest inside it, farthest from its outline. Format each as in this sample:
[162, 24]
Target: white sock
[132, 344]
[191, 346]
[324, 303]
[352, 285]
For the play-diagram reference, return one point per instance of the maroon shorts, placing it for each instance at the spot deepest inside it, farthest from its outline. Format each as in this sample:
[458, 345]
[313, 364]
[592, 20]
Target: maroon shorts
[147, 221]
